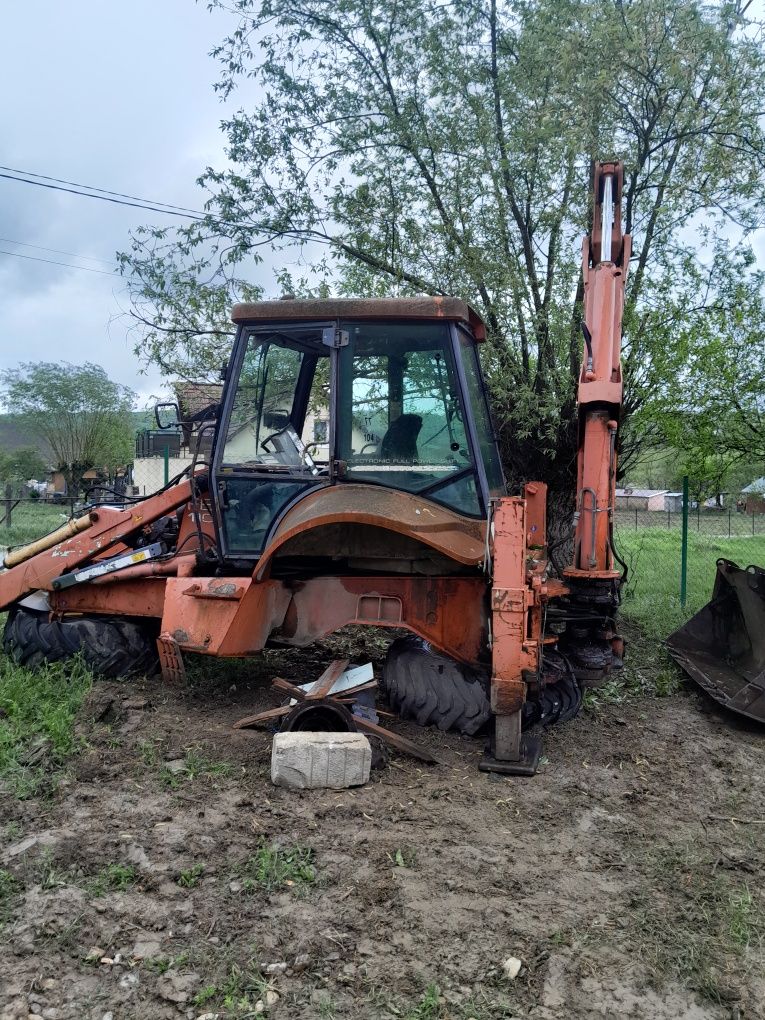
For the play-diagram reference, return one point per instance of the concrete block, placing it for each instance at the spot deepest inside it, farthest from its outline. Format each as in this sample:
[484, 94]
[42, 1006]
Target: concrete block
[313, 761]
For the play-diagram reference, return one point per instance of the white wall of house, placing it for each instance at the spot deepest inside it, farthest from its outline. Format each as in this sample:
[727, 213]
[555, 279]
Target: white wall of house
[149, 472]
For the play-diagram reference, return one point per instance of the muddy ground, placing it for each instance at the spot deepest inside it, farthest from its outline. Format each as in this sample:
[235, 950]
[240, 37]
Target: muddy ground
[166, 877]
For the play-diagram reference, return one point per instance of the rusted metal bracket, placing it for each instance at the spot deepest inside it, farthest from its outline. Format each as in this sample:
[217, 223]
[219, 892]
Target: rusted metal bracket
[171, 660]
[227, 591]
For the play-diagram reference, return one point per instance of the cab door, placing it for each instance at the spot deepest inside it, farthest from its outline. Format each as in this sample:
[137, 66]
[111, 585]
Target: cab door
[262, 461]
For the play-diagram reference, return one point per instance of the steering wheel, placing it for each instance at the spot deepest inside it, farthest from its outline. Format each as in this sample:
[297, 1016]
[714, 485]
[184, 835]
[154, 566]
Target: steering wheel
[273, 435]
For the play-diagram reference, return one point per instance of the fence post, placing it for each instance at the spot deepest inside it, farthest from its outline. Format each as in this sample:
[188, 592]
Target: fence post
[669, 519]
[684, 547]
[636, 526]
[166, 458]
[698, 517]
[8, 504]
[729, 513]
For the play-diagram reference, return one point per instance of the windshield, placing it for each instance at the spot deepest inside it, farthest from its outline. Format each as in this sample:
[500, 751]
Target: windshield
[269, 407]
[401, 420]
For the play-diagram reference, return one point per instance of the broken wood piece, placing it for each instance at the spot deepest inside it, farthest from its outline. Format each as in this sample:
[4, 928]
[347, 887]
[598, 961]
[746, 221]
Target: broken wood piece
[326, 681]
[280, 684]
[352, 677]
[262, 717]
[396, 740]
[300, 694]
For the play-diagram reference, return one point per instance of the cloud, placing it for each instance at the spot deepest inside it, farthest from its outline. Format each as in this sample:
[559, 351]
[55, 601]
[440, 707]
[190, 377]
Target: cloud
[118, 96]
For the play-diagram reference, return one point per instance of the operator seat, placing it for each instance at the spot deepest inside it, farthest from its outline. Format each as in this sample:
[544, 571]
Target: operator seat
[400, 441]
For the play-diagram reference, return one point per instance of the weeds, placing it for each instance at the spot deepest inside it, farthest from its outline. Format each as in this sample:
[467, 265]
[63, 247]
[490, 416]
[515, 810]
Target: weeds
[12, 831]
[9, 887]
[429, 1006]
[49, 875]
[162, 964]
[404, 857]
[113, 878]
[189, 877]
[149, 752]
[273, 868]
[243, 993]
[697, 924]
[37, 712]
[196, 765]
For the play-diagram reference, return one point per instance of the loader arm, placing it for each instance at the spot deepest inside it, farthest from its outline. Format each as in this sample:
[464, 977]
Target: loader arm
[107, 529]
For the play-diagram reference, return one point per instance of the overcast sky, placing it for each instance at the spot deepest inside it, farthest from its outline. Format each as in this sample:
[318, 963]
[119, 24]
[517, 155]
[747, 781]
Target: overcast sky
[112, 94]
[116, 95]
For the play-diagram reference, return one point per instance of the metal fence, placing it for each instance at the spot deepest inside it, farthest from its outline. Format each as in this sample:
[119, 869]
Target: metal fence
[725, 523]
[671, 556]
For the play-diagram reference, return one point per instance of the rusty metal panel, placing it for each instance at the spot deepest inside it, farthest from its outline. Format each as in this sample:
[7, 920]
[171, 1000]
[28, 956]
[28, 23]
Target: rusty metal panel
[318, 310]
[460, 538]
[223, 615]
[145, 597]
[450, 613]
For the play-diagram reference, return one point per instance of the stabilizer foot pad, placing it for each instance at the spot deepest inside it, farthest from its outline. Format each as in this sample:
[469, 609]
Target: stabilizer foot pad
[526, 765]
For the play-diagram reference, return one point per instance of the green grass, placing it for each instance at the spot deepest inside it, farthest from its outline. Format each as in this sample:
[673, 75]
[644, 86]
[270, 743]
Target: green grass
[238, 992]
[695, 922]
[113, 878]
[652, 594]
[30, 521]
[429, 1006]
[189, 877]
[9, 887]
[37, 712]
[196, 765]
[273, 868]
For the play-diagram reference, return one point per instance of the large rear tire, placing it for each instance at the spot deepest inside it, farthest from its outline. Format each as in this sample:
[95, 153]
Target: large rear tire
[433, 690]
[111, 647]
[437, 691]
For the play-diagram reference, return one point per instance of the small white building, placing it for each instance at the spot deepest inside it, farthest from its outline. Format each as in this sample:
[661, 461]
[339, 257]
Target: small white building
[641, 499]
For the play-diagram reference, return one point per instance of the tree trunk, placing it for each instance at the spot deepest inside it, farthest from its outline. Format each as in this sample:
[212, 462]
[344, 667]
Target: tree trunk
[560, 527]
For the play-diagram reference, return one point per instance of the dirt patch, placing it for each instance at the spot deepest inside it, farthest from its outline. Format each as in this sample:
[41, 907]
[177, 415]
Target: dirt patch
[168, 878]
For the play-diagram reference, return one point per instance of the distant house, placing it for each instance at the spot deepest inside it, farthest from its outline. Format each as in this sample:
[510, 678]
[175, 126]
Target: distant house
[641, 499]
[673, 502]
[753, 496]
[198, 403]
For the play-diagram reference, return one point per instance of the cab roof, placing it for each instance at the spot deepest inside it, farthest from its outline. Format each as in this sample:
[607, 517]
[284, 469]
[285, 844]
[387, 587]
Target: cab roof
[317, 310]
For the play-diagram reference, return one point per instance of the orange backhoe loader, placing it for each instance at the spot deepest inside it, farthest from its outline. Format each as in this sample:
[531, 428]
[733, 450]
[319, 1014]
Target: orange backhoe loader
[404, 525]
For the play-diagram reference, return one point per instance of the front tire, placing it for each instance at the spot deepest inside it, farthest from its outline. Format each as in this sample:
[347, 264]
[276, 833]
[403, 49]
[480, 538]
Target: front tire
[111, 647]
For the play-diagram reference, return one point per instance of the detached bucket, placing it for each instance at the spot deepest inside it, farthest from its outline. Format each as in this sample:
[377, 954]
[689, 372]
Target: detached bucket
[722, 647]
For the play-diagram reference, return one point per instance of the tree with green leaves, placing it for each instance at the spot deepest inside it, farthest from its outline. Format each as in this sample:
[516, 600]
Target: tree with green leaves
[82, 416]
[446, 148]
[710, 401]
[22, 464]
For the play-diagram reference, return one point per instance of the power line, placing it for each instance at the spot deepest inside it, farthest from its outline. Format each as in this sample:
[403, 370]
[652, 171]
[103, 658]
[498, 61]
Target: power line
[53, 262]
[105, 198]
[56, 251]
[104, 191]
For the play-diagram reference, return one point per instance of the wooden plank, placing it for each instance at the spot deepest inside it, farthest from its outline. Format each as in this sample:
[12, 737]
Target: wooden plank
[280, 684]
[262, 717]
[351, 693]
[395, 740]
[326, 681]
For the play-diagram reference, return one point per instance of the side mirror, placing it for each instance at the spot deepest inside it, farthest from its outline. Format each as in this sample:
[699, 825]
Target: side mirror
[167, 416]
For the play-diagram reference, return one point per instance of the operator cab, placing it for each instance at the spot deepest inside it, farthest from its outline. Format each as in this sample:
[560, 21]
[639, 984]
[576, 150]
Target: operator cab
[376, 392]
